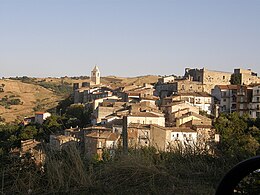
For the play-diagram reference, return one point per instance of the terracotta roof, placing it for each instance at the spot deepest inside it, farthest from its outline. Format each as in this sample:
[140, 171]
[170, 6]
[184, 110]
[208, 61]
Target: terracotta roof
[104, 135]
[197, 94]
[97, 128]
[38, 113]
[149, 98]
[227, 86]
[139, 126]
[144, 114]
[182, 129]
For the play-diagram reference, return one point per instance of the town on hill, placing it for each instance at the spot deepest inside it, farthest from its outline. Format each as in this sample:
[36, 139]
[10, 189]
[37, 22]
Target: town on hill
[103, 115]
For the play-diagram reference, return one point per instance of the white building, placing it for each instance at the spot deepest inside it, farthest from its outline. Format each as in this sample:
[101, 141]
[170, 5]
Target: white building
[202, 100]
[146, 118]
[182, 137]
[227, 97]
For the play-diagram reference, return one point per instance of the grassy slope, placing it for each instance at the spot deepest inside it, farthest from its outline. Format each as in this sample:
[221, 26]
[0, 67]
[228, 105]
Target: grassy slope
[30, 95]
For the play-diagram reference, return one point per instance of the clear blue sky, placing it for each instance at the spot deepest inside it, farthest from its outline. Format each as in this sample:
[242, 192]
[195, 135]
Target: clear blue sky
[127, 37]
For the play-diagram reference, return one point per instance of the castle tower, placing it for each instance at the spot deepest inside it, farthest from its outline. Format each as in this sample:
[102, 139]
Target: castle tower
[95, 76]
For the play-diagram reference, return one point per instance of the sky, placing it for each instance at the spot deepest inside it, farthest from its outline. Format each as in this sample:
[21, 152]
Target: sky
[41, 38]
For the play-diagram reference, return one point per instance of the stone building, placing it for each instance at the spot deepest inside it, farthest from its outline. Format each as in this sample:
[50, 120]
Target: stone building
[79, 88]
[179, 85]
[98, 142]
[208, 78]
[247, 76]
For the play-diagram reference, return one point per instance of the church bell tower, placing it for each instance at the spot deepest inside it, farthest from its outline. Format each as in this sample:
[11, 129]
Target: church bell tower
[95, 76]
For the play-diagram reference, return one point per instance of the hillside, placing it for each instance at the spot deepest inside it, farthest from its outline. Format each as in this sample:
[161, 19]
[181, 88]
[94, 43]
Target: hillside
[32, 98]
[40, 94]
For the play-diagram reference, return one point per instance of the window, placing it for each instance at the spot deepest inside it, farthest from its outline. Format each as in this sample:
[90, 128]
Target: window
[184, 135]
[224, 100]
[257, 99]
[172, 135]
[189, 135]
[224, 77]
[177, 135]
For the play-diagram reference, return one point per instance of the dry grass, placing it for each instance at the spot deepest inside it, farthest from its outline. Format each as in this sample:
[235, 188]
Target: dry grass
[30, 95]
[142, 171]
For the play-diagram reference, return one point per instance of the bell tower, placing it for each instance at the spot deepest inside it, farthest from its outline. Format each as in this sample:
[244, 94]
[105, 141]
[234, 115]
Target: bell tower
[95, 76]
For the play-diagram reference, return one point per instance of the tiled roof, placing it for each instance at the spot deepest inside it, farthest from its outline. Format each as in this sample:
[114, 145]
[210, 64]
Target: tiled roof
[144, 114]
[227, 86]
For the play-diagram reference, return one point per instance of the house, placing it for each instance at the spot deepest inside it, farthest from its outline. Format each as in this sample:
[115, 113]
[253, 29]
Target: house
[181, 137]
[110, 99]
[255, 104]
[203, 100]
[168, 138]
[105, 109]
[139, 135]
[235, 98]
[244, 99]
[226, 96]
[177, 109]
[35, 149]
[76, 133]
[166, 87]
[96, 143]
[28, 120]
[57, 142]
[146, 118]
[40, 117]
[192, 116]
[134, 94]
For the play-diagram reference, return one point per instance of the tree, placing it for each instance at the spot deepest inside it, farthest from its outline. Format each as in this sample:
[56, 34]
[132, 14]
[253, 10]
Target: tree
[28, 132]
[235, 79]
[77, 111]
[237, 137]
